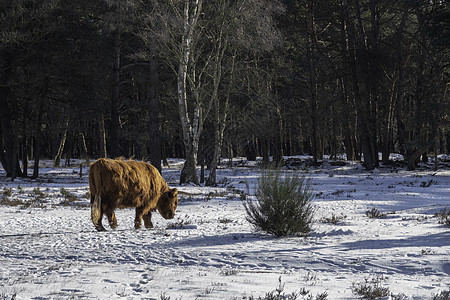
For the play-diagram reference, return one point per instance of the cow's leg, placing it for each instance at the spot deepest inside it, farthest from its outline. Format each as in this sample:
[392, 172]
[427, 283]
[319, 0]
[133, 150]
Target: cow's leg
[148, 220]
[97, 220]
[111, 218]
[138, 218]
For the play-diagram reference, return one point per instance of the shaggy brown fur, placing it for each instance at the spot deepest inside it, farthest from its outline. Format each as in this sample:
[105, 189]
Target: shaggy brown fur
[115, 183]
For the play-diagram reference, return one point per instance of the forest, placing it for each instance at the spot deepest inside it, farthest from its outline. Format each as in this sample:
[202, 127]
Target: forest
[205, 79]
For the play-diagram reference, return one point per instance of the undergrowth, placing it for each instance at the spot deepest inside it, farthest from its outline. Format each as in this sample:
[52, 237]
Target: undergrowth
[443, 216]
[6, 198]
[443, 295]
[374, 213]
[373, 288]
[334, 219]
[279, 294]
[5, 296]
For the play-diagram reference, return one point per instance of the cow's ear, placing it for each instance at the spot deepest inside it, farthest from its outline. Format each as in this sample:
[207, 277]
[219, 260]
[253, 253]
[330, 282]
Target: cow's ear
[173, 192]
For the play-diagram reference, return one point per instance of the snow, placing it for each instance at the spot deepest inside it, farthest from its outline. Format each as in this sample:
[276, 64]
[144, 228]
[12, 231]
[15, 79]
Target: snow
[50, 249]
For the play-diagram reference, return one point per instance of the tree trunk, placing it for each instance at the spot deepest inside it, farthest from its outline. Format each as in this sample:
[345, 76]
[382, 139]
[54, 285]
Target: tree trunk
[189, 171]
[251, 149]
[357, 56]
[10, 142]
[70, 146]
[348, 129]
[2, 152]
[313, 85]
[387, 125]
[103, 152]
[333, 138]
[396, 97]
[436, 152]
[115, 125]
[84, 150]
[349, 41]
[220, 119]
[401, 63]
[37, 140]
[218, 142]
[164, 154]
[230, 153]
[155, 135]
[278, 140]
[367, 105]
[265, 151]
[25, 140]
[202, 170]
[414, 158]
[37, 155]
[60, 151]
[10, 159]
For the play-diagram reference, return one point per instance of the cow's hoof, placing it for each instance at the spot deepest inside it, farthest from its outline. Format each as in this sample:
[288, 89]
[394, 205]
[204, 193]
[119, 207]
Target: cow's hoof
[149, 226]
[100, 228]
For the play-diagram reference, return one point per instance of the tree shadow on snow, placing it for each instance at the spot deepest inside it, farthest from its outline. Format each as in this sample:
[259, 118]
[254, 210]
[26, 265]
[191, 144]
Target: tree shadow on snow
[426, 240]
[219, 240]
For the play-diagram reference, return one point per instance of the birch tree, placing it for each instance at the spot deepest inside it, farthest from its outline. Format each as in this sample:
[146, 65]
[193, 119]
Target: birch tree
[174, 26]
[208, 40]
[191, 125]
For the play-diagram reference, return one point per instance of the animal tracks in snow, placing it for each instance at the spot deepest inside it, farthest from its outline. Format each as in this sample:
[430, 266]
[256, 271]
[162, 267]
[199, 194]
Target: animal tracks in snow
[210, 250]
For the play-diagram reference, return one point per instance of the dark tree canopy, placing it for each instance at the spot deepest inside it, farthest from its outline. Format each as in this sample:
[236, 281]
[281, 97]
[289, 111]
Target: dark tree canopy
[263, 78]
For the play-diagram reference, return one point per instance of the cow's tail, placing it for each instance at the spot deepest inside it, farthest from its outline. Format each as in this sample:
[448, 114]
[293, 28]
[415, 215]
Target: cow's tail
[96, 211]
[96, 199]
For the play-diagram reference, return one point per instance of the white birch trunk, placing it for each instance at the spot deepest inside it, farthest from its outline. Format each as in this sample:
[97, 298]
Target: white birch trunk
[190, 127]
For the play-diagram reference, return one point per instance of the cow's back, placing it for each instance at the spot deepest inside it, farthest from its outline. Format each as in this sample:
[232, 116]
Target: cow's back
[126, 183]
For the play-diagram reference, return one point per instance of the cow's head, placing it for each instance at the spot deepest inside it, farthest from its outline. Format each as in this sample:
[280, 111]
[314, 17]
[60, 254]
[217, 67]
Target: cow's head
[167, 203]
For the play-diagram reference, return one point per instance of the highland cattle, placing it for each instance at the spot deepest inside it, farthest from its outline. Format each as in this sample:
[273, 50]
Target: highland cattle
[116, 183]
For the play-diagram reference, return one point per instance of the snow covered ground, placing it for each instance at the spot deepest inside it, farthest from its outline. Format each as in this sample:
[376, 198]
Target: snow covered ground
[49, 248]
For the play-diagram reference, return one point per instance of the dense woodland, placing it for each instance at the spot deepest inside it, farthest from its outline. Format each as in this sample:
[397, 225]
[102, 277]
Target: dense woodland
[205, 79]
